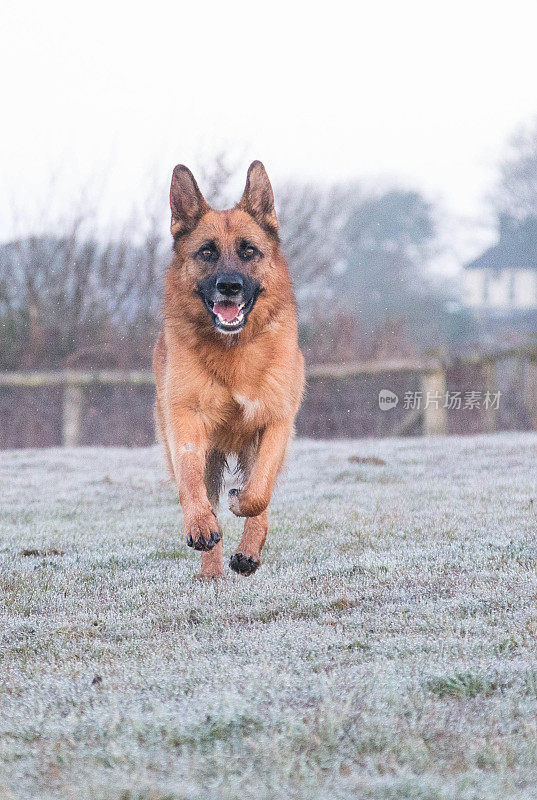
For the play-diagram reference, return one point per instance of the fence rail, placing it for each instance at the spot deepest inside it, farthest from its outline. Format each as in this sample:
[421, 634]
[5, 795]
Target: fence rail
[431, 369]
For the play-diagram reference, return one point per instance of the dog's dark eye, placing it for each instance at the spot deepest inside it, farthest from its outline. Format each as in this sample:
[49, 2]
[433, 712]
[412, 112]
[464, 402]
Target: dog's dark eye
[247, 251]
[208, 253]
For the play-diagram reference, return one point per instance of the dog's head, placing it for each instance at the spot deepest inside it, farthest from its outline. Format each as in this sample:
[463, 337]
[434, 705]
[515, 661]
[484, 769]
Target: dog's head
[225, 261]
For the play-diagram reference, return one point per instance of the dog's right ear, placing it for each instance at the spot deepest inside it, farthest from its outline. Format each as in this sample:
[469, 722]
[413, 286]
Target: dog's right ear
[258, 199]
[186, 201]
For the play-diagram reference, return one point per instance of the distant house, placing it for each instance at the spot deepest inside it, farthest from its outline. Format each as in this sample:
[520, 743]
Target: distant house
[504, 278]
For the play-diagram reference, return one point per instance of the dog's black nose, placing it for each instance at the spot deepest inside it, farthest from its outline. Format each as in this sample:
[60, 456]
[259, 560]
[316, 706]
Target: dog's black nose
[230, 284]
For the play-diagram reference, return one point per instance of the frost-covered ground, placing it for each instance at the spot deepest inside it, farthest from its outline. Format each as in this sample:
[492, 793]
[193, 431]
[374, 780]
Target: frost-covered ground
[387, 648]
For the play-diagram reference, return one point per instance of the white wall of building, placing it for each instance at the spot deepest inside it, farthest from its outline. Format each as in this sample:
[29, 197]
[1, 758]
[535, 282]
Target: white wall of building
[506, 289]
[474, 280]
[526, 288]
[498, 288]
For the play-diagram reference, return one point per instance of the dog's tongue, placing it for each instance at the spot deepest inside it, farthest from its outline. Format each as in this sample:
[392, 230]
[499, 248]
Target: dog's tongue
[228, 311]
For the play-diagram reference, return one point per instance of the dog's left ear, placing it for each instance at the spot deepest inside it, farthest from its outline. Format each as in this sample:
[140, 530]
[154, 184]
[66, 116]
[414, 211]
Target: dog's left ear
[258, 199]
[186, 201]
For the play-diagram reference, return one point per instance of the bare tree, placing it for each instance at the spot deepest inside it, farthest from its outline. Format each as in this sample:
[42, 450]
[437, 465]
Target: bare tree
[218, 178]
[66, 291]
[311, 222]
[515, 196]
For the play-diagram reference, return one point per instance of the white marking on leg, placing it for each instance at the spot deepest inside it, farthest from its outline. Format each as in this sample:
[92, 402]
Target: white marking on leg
[188, 448]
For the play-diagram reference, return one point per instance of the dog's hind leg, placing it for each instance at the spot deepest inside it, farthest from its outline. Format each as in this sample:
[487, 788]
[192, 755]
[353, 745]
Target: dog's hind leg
[215, 463]
[248, 556]
[212, 561]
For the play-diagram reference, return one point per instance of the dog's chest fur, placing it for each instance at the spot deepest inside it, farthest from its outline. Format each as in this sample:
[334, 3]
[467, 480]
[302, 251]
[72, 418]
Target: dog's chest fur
[242, 407]
[250, 409]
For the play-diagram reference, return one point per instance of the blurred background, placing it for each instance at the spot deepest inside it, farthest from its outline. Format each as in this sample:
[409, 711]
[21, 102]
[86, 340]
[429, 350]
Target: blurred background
[401, 141]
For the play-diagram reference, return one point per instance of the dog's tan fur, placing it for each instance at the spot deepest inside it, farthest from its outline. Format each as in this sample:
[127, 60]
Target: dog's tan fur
[217, 394]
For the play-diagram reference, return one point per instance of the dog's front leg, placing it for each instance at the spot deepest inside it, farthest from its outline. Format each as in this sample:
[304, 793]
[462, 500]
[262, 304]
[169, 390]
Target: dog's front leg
[254, 498]
[189, 444]
[248, 556]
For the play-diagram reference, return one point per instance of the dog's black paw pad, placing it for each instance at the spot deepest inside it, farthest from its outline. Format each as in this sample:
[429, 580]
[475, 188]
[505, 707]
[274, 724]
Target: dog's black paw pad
[244, 565]
[204, 544]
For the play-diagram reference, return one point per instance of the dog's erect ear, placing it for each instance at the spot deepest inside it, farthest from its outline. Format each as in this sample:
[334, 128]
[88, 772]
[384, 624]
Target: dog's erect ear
[186, 201]
[258, 199]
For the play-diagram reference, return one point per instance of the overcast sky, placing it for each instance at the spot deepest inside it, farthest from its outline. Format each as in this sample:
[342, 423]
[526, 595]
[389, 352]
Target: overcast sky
[420, 93]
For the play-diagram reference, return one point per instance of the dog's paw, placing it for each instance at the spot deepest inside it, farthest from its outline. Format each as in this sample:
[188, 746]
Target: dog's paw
[234, 501]
[202, 532]
[244, 565]
[244, 504]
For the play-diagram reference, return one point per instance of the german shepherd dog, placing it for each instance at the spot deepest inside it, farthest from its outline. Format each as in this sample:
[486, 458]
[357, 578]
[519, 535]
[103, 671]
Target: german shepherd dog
[228, 369]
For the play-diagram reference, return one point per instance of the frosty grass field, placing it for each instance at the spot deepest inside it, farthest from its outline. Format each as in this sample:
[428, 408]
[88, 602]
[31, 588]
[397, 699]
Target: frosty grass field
[387, 648]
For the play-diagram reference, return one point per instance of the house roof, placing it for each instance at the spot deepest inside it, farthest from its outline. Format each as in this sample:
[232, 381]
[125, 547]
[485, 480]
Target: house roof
[517, 247]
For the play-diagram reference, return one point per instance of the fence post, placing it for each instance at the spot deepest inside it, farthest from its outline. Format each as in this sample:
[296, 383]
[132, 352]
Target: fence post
[490, 414]
[530, 392]
[433, 388]
[73, 398]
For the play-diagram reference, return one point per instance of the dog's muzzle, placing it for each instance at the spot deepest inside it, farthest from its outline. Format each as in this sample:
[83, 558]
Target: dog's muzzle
[229, 297]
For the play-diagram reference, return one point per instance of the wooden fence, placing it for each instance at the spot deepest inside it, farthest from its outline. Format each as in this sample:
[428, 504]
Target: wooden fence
[431, 369]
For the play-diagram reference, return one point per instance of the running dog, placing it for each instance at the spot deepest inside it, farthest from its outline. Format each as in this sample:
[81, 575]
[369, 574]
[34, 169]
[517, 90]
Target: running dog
[229, 372]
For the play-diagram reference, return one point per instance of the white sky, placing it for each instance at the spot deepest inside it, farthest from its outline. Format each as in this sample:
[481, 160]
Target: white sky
[420, 93]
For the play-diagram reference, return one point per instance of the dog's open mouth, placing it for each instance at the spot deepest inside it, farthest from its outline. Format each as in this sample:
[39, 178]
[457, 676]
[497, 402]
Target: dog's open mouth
[229, 315]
